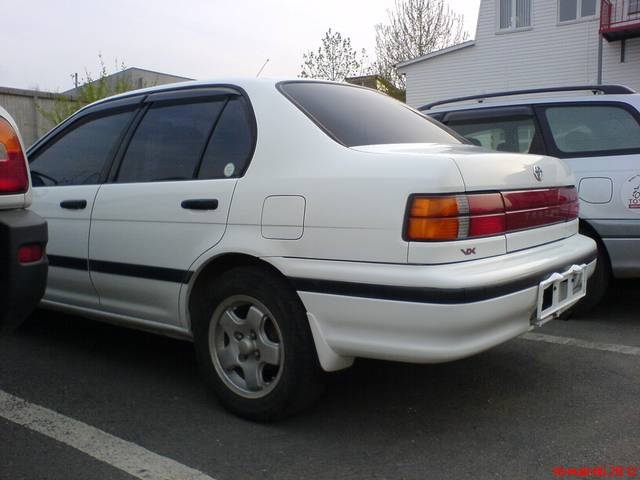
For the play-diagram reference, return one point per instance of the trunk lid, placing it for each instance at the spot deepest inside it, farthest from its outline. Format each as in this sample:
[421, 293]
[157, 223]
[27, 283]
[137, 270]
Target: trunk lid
[483, 169]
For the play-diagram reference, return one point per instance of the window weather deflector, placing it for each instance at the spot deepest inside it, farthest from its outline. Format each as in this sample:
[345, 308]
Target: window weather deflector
[193, 94]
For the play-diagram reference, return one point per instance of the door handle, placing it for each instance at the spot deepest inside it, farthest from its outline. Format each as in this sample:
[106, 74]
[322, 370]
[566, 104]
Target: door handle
[74, 204]
[200, 204]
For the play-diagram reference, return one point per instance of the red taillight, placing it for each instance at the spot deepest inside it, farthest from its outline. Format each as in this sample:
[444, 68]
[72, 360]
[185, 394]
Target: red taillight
[13, 171]
[487, 225]
[534, 208]
[545, 197]
[30, 253]
[457, 217]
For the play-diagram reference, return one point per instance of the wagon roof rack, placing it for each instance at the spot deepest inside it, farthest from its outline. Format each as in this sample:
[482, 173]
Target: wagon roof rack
[595, 89]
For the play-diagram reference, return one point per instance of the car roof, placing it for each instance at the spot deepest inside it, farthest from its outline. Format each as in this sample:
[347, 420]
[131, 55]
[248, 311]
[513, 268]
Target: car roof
[631, 98]
[245, 83]
[251, 85]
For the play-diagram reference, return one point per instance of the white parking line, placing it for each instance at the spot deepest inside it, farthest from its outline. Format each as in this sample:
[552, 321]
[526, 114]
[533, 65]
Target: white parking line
[126, 456]
[576, 342]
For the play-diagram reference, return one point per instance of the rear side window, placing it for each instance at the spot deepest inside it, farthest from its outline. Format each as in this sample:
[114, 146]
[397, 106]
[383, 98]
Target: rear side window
[78, 156]
[517, 134]
[358, 116]
[593, 129]
[169, 142]
[231, 144]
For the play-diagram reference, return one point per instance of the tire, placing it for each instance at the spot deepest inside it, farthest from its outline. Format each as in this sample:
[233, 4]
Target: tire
[597, 284]
[255, 347]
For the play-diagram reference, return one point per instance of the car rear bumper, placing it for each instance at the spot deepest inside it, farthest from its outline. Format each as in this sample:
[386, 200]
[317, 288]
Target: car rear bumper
[21, 285]
[426, 313]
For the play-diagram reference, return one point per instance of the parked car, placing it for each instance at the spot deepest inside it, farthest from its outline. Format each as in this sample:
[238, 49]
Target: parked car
[289, 227]
[597, 135]
[23, 234]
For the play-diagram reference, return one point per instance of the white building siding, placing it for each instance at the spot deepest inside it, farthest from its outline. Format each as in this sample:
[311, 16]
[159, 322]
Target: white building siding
[547, 54]
[614, 71]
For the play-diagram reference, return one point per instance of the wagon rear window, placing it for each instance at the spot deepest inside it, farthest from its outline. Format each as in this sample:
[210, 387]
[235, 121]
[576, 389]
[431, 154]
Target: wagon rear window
[357, 116]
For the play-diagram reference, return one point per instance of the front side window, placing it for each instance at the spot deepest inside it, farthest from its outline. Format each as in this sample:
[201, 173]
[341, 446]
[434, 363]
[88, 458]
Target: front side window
[359, 116]
[516, 134]
[514, 14]
[169, 142]
[593, 129]
[571, 10]
[634, 7]
[78, 156]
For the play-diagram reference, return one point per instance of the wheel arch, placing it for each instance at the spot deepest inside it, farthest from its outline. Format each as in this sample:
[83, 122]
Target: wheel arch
[215, 267]
[587, 229]
[218, 265]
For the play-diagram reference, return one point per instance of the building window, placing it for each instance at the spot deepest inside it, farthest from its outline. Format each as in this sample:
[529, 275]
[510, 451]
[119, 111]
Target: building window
[634, 7]
[572, 10]
[514, 14]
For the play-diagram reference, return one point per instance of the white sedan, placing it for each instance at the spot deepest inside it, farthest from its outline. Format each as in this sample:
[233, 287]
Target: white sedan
[288, 227]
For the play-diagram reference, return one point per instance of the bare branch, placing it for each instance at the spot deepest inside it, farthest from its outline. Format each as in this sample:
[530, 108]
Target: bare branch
[334, 60]
[415, 28]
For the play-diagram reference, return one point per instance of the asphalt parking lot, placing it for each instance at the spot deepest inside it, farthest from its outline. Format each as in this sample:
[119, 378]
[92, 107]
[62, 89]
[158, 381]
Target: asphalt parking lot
[516, 411]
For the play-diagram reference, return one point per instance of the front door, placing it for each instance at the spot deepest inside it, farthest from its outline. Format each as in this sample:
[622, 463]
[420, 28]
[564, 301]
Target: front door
[66, 173]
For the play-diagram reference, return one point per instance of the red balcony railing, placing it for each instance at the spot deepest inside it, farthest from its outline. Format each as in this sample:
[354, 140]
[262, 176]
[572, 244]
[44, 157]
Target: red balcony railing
[619, 19]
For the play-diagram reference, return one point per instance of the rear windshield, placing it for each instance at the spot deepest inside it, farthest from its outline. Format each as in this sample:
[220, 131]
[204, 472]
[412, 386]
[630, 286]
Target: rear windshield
[358, 116]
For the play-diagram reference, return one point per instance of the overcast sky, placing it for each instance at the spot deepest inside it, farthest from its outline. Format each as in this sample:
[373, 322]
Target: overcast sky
[45, 41]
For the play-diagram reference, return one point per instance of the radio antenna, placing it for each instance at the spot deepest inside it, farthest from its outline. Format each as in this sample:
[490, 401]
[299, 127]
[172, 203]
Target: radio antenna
[262, 68]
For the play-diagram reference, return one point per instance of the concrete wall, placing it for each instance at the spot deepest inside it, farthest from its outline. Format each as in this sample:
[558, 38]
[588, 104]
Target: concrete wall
[547, 54]
[22, 105]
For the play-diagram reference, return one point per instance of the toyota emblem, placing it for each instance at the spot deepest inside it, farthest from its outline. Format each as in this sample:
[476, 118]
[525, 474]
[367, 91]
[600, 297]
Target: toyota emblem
[537, 172]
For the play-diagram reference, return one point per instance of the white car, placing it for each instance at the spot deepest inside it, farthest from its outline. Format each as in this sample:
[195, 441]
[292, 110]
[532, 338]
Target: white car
[599, 138]
[287, 227]
[23, 234]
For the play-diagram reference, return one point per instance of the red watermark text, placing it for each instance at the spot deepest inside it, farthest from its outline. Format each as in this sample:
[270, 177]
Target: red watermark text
[599, 471]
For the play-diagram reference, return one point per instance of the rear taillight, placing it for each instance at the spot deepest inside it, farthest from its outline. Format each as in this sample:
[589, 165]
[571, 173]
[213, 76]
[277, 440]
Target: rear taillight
[457, 217]
[30, 253]
[13, 170]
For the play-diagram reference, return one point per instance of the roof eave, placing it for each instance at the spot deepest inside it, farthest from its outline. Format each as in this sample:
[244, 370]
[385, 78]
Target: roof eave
[437, 53]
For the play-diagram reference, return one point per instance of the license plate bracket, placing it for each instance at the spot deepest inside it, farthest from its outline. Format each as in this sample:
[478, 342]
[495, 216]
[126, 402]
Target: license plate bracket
[559, 292]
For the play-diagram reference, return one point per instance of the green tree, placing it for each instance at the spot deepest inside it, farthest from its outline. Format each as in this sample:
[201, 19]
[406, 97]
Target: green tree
[88, 91]
[334, 60]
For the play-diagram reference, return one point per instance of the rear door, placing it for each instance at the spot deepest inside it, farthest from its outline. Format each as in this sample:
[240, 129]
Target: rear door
[168, 199]
[66, 172]
[601, 142]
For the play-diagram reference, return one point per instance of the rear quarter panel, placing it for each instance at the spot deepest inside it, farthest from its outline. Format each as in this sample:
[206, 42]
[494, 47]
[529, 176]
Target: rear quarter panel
[354, 201]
